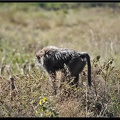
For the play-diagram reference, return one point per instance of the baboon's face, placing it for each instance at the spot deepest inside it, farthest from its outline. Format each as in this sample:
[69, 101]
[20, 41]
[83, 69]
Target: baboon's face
[40, 56]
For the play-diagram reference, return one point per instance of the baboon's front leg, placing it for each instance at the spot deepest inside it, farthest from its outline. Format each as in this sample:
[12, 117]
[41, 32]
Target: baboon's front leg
[62, 78]
[52, 78]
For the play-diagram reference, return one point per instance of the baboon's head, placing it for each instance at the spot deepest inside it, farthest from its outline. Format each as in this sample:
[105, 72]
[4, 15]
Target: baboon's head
[39, 55]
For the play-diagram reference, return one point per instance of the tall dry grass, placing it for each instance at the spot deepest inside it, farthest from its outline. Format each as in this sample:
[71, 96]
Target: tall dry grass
[24, 87]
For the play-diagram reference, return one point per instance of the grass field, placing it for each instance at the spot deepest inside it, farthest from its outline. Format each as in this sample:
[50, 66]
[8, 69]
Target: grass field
[26, 29]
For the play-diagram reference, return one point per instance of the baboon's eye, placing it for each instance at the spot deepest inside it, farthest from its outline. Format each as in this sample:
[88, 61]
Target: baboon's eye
[38, 57]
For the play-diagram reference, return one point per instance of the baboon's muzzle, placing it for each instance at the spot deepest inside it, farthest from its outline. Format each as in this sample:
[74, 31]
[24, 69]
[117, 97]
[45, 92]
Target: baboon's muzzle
[38, 57]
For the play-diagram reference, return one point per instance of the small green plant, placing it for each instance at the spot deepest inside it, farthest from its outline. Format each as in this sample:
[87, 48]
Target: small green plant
[45, 109]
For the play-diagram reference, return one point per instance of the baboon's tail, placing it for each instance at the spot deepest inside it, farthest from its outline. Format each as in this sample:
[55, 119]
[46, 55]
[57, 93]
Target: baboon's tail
[89, 66]
[89, 69]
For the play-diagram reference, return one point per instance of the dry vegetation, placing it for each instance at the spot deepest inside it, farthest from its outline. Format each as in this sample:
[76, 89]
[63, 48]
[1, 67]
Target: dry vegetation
[24, 89]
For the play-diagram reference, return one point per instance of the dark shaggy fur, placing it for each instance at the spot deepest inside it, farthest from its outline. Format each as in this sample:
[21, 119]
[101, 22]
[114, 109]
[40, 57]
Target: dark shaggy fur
[54, 59]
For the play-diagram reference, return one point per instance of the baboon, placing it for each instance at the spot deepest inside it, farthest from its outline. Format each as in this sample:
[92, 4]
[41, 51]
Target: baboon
[53, 59]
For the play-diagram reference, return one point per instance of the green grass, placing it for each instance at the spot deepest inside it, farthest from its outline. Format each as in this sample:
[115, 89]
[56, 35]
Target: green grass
[26, 30]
